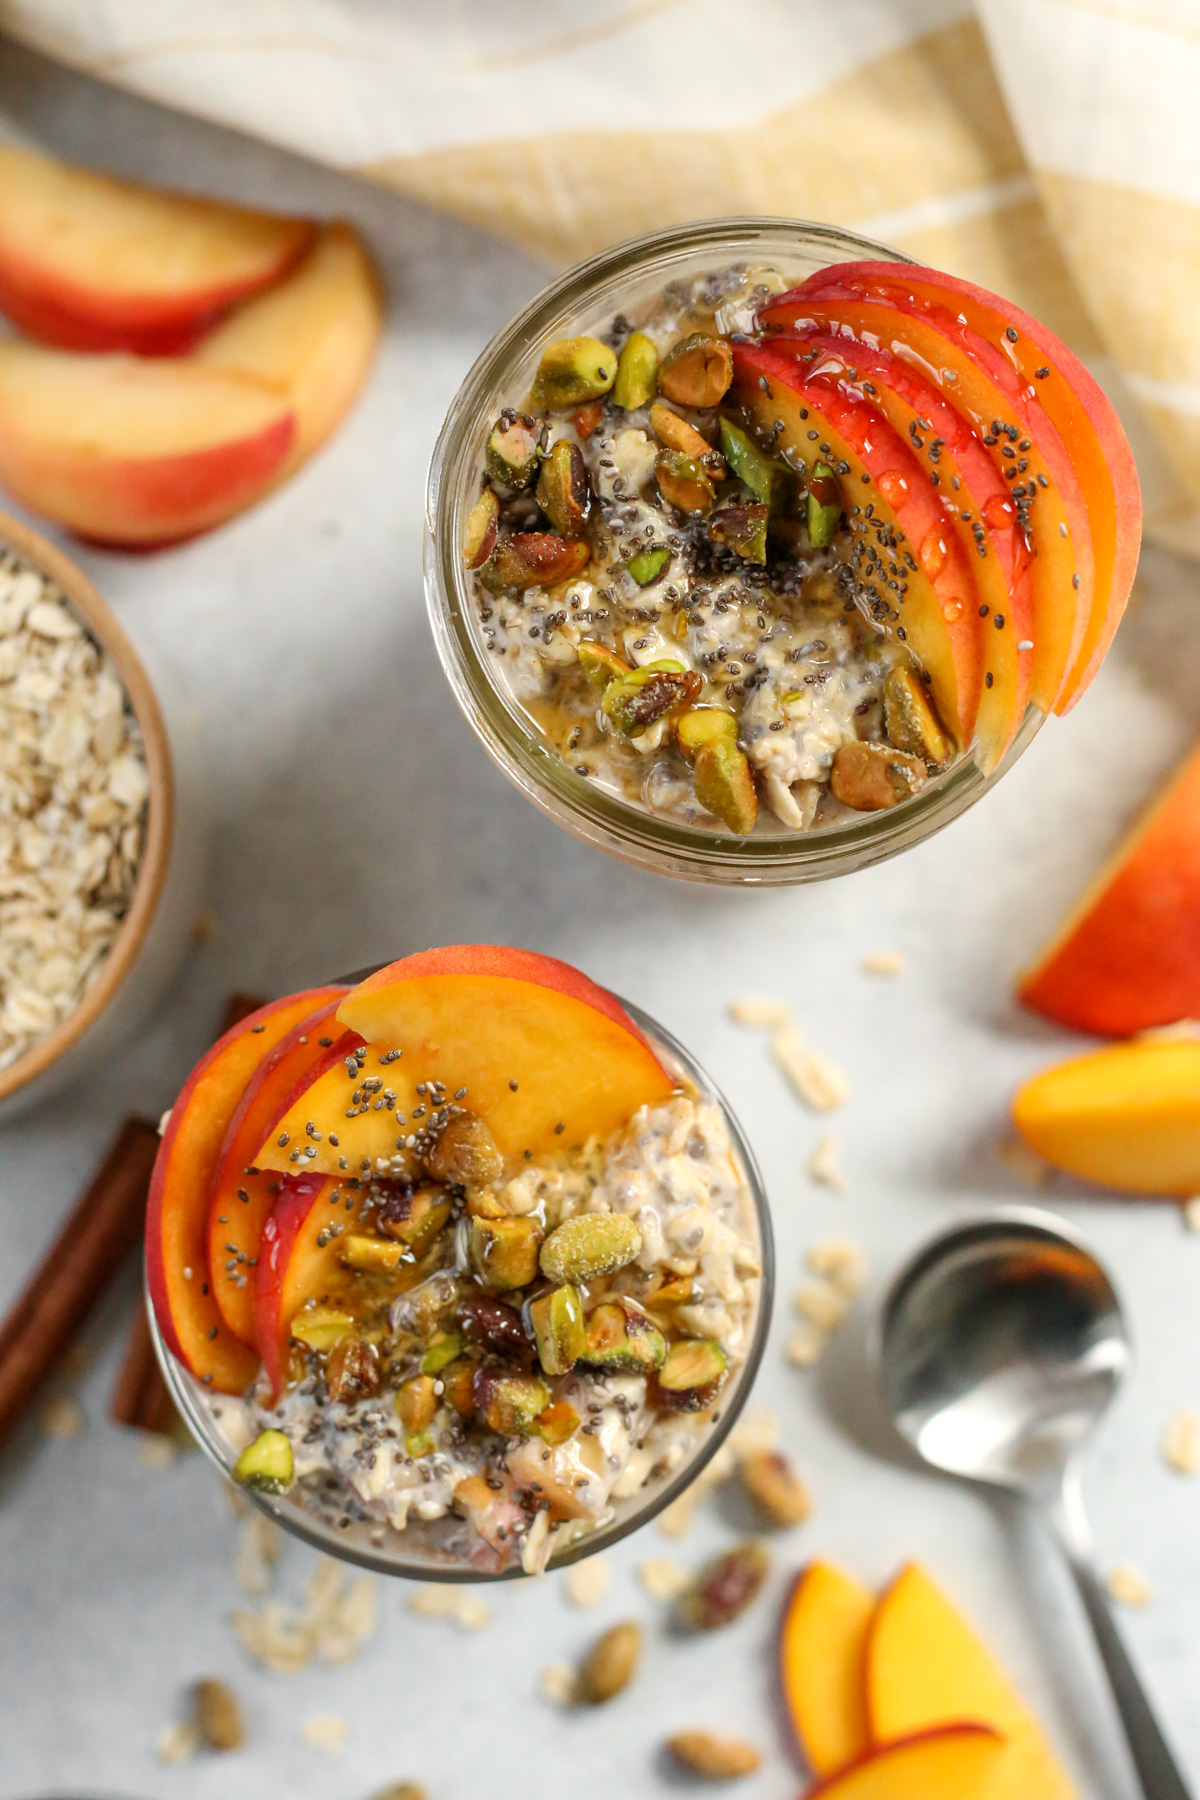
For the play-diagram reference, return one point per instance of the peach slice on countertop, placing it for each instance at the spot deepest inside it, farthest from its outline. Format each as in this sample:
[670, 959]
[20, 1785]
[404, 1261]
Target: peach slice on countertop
[925, 1669]
[951, 1762]
[91, 262]
[822, 1657]
[177, 1207]
[1127, 1117]
[542, 1053]
[129, 451]
[1128, 956]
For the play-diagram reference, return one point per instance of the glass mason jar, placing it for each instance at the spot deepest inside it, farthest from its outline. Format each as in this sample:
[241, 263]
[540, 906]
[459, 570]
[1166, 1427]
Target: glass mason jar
[621, 279]
[414, 1553]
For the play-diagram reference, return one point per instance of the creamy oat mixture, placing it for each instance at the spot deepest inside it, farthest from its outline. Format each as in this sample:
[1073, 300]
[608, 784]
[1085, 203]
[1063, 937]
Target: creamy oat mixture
[708, 566]
[618, 1391]
[73, 795]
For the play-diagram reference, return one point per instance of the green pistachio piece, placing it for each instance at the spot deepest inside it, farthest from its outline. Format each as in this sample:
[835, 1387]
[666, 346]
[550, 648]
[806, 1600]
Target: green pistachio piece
[697, 371]
[505, 1251]
[428, 1212]
[824, 504]
[557, 1320]
[574, 370]
[636, 700]
[911, 722]
[458, 1385]
[464, 1153]
[684, 482]
[416, 1403]
[514, 1403]
[648, 565]
[418, 1443]
[562, 491]
[701, 725]
[479, 532]
[511, 453]
[321, 1327]
[600, 664]
[676, 434]
[533, 559]
[746, 460]
[872, 777]
[691, 1375]
[637, 372]
[357, 1251]
[724, 786]
[742, 529]
[441, 1352]
[623, 1338]
[589, 1244]
[267, 1465]
[559, 1422]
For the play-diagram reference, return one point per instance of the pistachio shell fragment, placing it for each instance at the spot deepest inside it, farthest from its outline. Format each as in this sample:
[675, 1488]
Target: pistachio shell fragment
[742, 529]
[872, 777]
[911, 722]
[505, 1251]
[464, 1153]
[514, 1402]
[697, 371]
[533, 559]
[724, 785]
[562, 491]
[725, 1587]
[611, 1663]
[636, 700]
[321, 1327]
[267, 1465]
[573, 371]
[684, 482]
[479, 532]
[589, 1244]
[701, 725]
[824, 504]
[511, 453]
[557, 1320]
[370, 1253]
[637, 372]
[600, 664]
[416, 1403]
[691, 1375]
[648, 565]
[676, 434]
[623, 1338]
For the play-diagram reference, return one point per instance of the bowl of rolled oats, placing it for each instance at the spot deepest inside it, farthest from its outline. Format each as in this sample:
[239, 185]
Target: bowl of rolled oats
[87, 821]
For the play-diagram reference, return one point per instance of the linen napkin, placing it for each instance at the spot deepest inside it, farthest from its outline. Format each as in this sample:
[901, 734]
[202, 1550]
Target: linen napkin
[1047, 149]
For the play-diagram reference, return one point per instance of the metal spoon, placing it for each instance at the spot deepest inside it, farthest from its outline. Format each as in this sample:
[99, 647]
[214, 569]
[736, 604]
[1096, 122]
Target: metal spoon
[999, 1346]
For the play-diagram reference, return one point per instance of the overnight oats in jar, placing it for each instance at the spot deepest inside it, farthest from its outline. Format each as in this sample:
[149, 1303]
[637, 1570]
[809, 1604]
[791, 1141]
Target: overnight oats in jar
[462, 1271]
[756, 552]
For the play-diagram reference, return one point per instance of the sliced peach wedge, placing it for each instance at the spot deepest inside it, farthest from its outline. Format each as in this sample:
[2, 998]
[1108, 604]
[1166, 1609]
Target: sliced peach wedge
[1076, 406]
[177, 1207]
[953, 1762]
[902, 546]
[546, 1056]
[822, 1655]
[129, 451]
[90, 262]
[298, 1264]
[1126, 1118]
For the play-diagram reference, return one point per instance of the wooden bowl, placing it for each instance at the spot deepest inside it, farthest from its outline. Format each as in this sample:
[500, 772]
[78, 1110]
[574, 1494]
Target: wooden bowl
[100, 1018]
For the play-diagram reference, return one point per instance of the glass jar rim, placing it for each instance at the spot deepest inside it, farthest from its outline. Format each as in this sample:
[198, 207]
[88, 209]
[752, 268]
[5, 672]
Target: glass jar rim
[511, 738]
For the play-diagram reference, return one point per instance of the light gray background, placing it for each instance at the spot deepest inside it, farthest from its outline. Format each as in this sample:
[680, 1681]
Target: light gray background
[354, 819]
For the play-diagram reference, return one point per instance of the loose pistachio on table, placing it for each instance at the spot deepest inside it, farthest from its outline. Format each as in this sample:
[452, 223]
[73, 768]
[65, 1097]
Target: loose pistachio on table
[724, 1587]
[611, 1663]
[775, 1487]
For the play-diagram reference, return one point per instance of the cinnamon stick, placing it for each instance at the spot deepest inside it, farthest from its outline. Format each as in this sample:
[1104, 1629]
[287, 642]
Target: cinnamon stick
[94, 1241]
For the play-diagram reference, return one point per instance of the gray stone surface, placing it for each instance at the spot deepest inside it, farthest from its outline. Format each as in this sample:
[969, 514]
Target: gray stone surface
[355, 818]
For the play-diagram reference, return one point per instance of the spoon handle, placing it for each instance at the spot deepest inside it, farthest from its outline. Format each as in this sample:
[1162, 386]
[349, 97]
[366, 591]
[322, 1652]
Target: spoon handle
[1157, 1769]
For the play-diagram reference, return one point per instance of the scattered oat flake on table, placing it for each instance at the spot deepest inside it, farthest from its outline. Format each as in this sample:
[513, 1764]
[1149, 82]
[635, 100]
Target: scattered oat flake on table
[156, 1451]
[1191, 1215]
[61, 1416]
[1029, 1168]
[883, 962]
[336, 1617]
[824, 1304]
[1181, 1442]
[755, 1431]
[559, 1683]
[179, 1742]
[325, 1731]
[825, 1164]
[588, 1582]
[1126, 1585]
[818, 1082]
[258, 1551]
[760, 1015]
[435, 1601]
[675, 1521]
[662, 1578]
[805, 1344]
[840, 1261]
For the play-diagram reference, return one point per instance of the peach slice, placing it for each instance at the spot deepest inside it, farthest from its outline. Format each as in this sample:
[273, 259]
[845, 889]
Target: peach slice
[90, 262]
[890, 507]
[543, 1054]
[984, 393]
[1085, 419]
[954, 1762]
[177, 1207]
[314, 337]
[1127, 1117]
[926, 1668]
[822, 1654]
[1128, 956]
[134, 452]
[297, 1261]
[242, 1195]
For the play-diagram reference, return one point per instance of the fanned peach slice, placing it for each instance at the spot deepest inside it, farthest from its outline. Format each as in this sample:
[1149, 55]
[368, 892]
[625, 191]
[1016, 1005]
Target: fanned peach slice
[129, 451]
[926, 1668]
[90, 262]
[177, 1208]
[1081, 412]
[298, 1262]
[1128, 956]
[1126, 1118]
[822, 1654]
[242, 1195]
[988, 395]
[954, 1762]
[902, 546]
[974, 501]
[542, 1053]
[314, 336]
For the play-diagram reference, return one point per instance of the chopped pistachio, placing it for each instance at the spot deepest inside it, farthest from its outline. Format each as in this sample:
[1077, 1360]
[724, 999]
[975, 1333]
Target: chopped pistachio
[589, 1244]
[533, 559]
[636, 700]
[600, 664]
[648, 565]
[775, 1487]
[620, 1337]
[573, 371]
[514, 1403]
[458, 1385]
[697, 371]
[479, 532]
[512, 450]
[352, 1372]
[267, 1465]
[419, 1443]
[358, 1251]
[824, 504]
[562, 491]
[557, 1320]
[684, 482]
[637, 372]
[465, 1152]
[742, 529]
[724, 785]
[557, 1423]
[429, 1210]
[691, 1375]
[321, 1327]
[761, 474]
[911, 722]
[701, 725]
[676, 434]
[872, 777]
[505, 1251]
[416, 1403]
[587, 420]
[442, 1351]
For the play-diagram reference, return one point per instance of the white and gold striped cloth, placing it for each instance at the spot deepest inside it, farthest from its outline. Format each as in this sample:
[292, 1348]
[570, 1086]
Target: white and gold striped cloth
[1049, 149]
